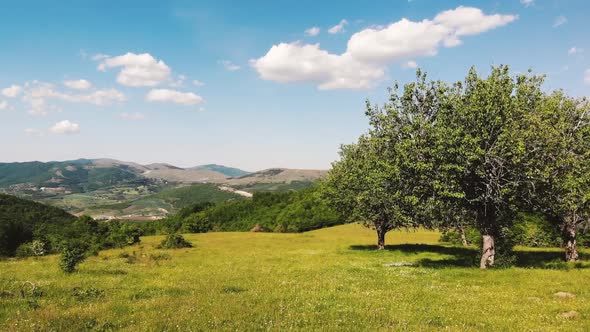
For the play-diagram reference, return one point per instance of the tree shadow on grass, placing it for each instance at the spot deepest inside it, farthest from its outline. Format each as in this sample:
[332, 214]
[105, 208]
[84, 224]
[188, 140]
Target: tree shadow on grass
[468, 257]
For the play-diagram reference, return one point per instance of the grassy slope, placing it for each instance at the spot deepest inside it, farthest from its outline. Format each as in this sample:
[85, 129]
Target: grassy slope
[329, 280]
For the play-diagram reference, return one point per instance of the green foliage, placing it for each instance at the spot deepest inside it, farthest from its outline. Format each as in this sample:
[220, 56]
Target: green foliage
[72, 254]
[452, 236]
[535, 230]
[175, 241]
[32, 229]
[283, 212]
[22, 221]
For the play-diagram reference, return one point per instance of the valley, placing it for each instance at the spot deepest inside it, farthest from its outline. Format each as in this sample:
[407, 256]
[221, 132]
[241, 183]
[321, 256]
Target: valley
[112, 189]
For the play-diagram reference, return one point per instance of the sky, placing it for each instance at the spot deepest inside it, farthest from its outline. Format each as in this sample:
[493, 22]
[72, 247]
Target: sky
[251, 84]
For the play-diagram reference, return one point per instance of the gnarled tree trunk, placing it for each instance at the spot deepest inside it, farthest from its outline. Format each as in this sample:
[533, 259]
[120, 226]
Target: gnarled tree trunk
[488, 252]
[569, 238]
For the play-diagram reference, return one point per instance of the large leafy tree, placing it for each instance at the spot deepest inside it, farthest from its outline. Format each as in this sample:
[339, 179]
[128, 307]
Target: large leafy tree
[384, 180]
[558, 141]
[479, 153]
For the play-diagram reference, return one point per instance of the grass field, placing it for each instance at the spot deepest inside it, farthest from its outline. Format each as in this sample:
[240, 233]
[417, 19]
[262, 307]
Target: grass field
[330, 280]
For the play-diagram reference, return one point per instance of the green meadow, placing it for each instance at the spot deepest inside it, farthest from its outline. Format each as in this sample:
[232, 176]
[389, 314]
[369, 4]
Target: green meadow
[331, 279]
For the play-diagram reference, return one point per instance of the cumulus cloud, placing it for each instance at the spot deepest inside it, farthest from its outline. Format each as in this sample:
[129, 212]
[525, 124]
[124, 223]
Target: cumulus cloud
[65, 127]
[312, 32]
[338, 27]
[12, 91]
[78, 84]
[587, 76]
[132, 116]
[138, 69]
[173, 96]
[198, 83]
[371, 50]
[37, 93]
[559, 21]
[294, 62]
[527, 3]
[228, 65]
[3, 105]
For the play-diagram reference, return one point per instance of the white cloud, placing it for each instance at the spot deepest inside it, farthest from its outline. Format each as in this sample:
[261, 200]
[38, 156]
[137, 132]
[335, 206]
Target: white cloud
[3, 105]
[587, 76]
[78, 84]
[338, 27]
[527, 3]
[12, 91]
[559, 20]
[574, 50]
[37, 93]
[369, 51]
[100, 56]
[166, 95]
[138, 69]
[410, 64]
[295, 62]
[65, 127]
[313, 31]
[228, 65]
[132, 116]
[198, 83]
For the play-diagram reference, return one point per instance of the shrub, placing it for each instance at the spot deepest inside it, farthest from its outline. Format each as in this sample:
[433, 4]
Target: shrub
[452, 236]
[174, 241]
[72, 254]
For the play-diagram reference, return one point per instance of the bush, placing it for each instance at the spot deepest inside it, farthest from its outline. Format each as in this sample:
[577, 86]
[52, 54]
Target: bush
[175, 241]
[197, 223]
[534, 230]
[72, 254]
[34, 248]
[452, 236]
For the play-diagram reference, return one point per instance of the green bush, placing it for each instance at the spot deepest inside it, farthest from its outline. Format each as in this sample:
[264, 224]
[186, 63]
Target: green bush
[452, 236]
[174, 241]
[72, 254]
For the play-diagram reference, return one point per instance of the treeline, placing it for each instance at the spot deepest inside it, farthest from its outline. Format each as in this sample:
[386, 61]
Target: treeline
[470, 155]
[273, 212]
[29, 228]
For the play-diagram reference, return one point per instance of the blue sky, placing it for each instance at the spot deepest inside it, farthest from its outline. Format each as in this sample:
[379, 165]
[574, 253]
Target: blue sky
[250, 84]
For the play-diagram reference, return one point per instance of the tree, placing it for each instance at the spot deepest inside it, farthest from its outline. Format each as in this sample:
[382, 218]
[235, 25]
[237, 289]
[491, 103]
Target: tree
[384, 180]
[558, 139]
[480, 152]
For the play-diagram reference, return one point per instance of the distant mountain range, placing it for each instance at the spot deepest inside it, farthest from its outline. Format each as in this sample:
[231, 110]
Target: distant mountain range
[91, 174]
[108, 187]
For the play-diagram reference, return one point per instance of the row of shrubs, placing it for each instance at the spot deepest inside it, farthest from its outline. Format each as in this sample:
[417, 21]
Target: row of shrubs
[272, 212]
[530, 230]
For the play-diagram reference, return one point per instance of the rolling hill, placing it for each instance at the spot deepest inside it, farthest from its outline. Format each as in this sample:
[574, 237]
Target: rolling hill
[112, 188]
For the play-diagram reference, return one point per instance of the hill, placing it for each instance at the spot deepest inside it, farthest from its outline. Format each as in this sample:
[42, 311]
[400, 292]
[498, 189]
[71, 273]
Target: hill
[326, 280]
[278, 175]
[227, 171]
[21, 219]
[107, 188]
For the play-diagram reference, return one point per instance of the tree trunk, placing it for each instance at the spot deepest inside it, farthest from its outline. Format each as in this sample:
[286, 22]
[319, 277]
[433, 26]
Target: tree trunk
[461, 231]
[569, 237]
[380, 238]
[488, 252]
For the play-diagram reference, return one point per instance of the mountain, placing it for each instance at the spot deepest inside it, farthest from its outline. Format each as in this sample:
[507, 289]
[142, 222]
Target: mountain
[227, 171]
[106, 188]
[274, 175]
